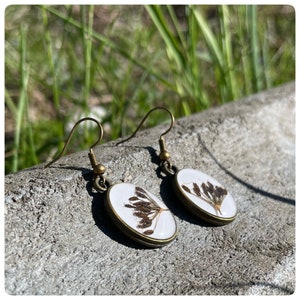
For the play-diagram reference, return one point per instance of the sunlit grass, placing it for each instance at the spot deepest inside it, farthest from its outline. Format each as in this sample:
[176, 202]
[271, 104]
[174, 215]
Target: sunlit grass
[117, 62]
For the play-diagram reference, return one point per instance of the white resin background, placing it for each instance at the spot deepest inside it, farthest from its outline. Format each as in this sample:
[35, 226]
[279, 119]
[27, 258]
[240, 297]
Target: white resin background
[188, 177]
[163, 224]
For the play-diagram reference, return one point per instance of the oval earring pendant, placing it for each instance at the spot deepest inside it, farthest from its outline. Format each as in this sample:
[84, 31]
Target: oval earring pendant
[205, 197]
[140, 215]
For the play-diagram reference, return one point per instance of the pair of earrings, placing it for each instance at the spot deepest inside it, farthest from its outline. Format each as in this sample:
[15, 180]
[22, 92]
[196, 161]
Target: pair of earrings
[144, 217]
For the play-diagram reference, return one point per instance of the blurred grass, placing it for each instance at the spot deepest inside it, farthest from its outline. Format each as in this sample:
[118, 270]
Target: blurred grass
[117, 62]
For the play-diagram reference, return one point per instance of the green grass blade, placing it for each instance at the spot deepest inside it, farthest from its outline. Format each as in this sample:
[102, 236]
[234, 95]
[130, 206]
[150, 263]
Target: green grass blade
[30, 143]
[178, 30]
[242, 34]
[210, 39]
[266, 60]
[87, 32]
[22, 99]
[53, 71]
[173, 49]
[10, 103]
[254, 42]
[217, 57]
[227, 53]
[51, 64]
[195, 63]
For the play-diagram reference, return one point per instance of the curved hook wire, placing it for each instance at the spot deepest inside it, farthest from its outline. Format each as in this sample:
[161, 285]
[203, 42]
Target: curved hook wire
[70, 135]
[144, 119]
[164, 155]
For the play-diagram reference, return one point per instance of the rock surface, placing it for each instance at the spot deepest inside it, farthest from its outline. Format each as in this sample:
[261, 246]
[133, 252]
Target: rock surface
[60, 240]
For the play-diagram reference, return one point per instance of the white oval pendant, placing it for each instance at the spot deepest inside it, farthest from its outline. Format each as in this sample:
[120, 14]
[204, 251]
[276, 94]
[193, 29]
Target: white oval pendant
[205, 196]
[140, 215]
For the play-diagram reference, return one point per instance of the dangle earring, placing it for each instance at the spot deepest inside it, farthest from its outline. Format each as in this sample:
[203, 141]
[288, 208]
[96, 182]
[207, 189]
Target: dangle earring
[200, 193]
[136, 212]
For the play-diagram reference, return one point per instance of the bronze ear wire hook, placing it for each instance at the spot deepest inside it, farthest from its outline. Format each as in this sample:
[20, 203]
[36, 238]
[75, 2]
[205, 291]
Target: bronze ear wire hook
[164, 155]
[98, 169]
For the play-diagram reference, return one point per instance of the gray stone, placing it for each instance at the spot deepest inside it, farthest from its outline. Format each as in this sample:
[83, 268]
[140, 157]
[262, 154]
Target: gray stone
[59, 239]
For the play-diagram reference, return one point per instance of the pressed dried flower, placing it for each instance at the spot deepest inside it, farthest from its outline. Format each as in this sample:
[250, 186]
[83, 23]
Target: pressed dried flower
[213, 195]
[145, 208]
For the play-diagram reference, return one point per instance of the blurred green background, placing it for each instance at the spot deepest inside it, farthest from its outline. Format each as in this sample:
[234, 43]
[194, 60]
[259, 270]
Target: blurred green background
[117, 62]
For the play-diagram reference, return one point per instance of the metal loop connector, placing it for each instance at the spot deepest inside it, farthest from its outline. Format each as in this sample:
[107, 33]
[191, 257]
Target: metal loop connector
[167, 168]
[100, 184]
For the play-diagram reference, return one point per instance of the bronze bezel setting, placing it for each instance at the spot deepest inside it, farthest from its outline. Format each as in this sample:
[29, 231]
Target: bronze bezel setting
[133, 228]
[204, 196]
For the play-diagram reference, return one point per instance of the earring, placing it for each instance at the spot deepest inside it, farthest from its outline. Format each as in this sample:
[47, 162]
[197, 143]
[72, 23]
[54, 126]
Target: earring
[200, 193]
[136, 212]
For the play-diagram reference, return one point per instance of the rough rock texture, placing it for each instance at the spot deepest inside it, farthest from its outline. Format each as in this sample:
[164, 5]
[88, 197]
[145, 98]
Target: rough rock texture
[59, 239]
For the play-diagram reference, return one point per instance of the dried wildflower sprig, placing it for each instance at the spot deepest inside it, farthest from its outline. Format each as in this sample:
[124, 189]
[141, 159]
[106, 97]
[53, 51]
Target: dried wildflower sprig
[212, 194]
[146, 209]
